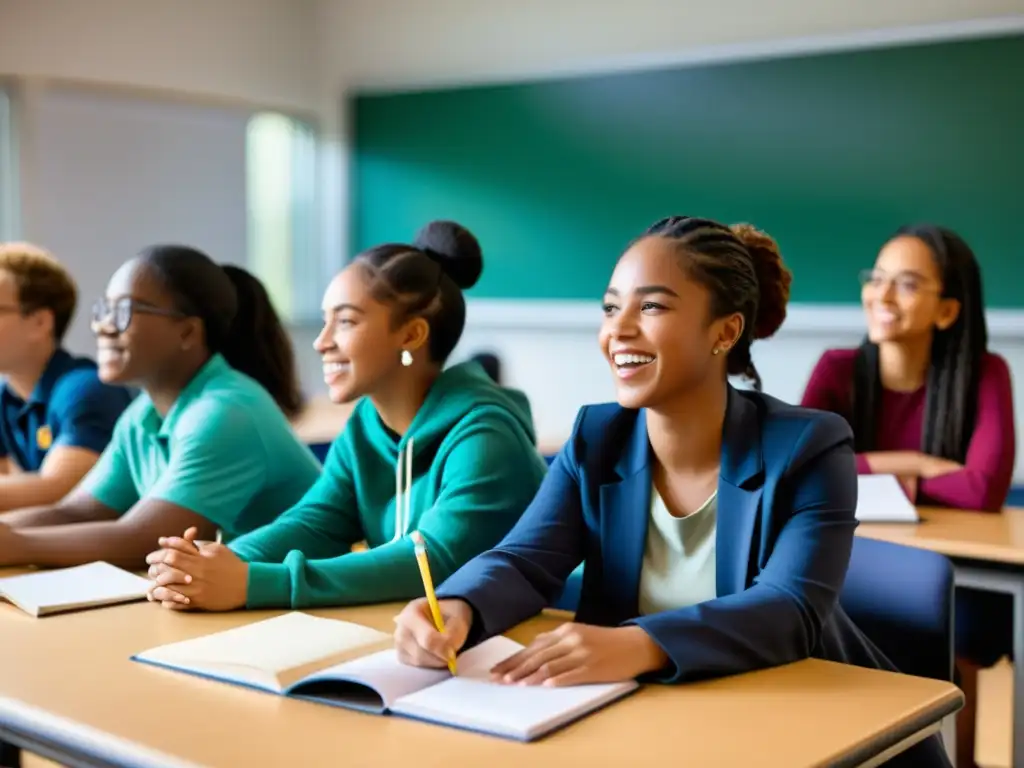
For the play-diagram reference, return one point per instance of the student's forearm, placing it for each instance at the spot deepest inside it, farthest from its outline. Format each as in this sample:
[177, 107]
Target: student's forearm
[379, 575]
[81, 510]
[902, 463]
[112, 541]
[32, 490]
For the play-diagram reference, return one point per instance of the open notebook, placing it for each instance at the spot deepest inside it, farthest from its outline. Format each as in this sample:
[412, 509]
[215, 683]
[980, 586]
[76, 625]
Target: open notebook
[349, 665]
[71, 589]
[881, 499]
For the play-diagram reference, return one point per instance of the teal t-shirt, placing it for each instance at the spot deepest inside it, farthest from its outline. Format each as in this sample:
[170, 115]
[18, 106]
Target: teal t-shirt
[225, 451]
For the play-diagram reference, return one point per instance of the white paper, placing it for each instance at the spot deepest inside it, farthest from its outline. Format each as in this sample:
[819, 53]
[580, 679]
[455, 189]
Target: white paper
[880, 499]
[83, 586]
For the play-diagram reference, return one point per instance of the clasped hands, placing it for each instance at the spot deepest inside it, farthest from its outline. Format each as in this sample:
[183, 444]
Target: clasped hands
[572, 654]
[189, 574]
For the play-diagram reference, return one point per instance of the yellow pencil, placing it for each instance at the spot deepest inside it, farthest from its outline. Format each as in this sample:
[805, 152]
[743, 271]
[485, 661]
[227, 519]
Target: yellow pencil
[420, 547]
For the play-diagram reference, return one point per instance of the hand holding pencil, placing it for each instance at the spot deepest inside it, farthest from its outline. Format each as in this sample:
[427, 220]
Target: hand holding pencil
[429, 632]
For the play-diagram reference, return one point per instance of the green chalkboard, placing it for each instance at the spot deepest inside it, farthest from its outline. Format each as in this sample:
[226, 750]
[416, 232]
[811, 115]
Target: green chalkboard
[828, 153]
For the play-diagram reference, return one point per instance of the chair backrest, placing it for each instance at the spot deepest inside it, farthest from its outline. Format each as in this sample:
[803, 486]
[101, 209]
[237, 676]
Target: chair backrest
[902, 599]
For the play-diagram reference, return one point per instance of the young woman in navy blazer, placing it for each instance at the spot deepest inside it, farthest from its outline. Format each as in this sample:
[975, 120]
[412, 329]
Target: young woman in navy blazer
[772, 488]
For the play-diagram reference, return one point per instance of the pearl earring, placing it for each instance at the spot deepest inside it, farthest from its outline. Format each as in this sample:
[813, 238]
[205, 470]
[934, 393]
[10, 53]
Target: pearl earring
[715, 351]
[406, 358]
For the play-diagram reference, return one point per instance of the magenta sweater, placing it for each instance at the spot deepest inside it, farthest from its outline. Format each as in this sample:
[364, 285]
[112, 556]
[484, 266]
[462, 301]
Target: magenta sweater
[988, 471]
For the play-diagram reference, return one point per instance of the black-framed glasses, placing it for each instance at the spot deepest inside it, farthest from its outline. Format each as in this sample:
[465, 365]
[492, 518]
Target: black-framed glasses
[119, 313]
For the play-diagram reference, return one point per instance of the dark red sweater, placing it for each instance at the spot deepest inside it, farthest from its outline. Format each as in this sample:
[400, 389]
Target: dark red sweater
[988, 471]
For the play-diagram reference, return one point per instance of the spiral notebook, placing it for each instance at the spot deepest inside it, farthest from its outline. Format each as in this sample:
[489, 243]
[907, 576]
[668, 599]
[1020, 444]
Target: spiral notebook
[352, 666]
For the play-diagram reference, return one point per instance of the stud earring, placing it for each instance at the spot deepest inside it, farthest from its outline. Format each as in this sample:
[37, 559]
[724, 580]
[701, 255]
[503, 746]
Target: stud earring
[406, 358]
[715, 351]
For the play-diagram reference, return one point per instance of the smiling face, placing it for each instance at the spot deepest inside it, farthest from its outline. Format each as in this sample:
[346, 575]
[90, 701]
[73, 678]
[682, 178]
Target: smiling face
[658, 335]
[902, 295]
[139, 333]
[360, 346]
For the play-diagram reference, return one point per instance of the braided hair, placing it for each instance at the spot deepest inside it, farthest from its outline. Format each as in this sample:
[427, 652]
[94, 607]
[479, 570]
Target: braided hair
[957, 351]
[742, 269]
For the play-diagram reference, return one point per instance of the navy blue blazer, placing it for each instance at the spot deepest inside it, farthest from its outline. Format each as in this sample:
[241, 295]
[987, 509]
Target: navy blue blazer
[787, 495]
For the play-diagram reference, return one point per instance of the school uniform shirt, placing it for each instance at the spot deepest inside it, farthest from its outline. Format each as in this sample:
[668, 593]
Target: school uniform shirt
[225, 451]
[69, 406]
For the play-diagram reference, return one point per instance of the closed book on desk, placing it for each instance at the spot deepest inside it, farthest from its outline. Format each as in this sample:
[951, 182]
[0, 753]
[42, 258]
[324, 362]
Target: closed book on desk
[72, 589]
[881, 499]
[352, 666]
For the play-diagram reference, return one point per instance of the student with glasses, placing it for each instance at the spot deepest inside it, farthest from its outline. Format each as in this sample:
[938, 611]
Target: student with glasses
[929, 403]
[56, 416]
[208, 445]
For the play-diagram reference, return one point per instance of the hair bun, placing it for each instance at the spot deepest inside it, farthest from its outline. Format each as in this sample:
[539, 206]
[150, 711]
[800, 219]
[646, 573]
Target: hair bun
[773, 277]
[455, 248]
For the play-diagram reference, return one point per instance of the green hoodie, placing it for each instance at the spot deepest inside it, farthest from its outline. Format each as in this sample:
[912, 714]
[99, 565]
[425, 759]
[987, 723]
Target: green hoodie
[475, 469]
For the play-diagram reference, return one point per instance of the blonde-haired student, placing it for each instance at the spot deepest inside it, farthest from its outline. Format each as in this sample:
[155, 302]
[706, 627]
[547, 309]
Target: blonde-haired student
[442, 451]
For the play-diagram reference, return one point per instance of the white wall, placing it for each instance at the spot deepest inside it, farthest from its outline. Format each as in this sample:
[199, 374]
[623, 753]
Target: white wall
[398, 43]
[259, 51]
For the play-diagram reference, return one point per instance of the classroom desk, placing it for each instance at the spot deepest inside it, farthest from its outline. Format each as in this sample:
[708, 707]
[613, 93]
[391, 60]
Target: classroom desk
[68, 691]
[987, 551]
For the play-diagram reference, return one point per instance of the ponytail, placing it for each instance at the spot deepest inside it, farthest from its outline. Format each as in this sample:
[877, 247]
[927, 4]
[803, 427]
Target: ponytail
[257, 344]
[238, 318]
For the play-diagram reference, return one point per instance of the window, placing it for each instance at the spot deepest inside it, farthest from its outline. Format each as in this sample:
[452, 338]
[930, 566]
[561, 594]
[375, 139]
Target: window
[281, 192]
[8, 172]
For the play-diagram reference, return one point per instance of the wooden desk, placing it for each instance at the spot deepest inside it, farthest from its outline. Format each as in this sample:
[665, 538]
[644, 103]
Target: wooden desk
[992, 538]
[68, 691]
[987, 551]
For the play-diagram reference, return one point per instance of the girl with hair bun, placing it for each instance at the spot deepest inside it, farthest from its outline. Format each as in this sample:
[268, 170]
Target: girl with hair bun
[715, 524]
[445, 452]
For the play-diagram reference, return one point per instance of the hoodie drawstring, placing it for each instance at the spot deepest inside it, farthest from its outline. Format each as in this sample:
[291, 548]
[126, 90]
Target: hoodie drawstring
[403, 482]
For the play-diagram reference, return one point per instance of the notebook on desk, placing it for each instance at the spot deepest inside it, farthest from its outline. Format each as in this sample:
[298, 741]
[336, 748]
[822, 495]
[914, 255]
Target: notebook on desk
[881, 499]
[348, 665]
[71, 589]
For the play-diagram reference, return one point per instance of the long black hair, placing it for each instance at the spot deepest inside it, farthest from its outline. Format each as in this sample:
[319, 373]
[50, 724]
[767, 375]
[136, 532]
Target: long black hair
[955, 368]
[238, 317]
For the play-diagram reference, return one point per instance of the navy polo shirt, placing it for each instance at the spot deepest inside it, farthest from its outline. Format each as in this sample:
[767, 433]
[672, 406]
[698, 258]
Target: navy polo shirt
[69, 406]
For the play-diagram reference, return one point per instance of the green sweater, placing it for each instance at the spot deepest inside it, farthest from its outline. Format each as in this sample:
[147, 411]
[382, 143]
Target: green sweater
[475, 470]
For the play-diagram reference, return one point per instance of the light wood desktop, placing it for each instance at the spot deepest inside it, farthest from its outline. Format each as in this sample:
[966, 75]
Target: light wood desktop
[68, 688]
[997, 538]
